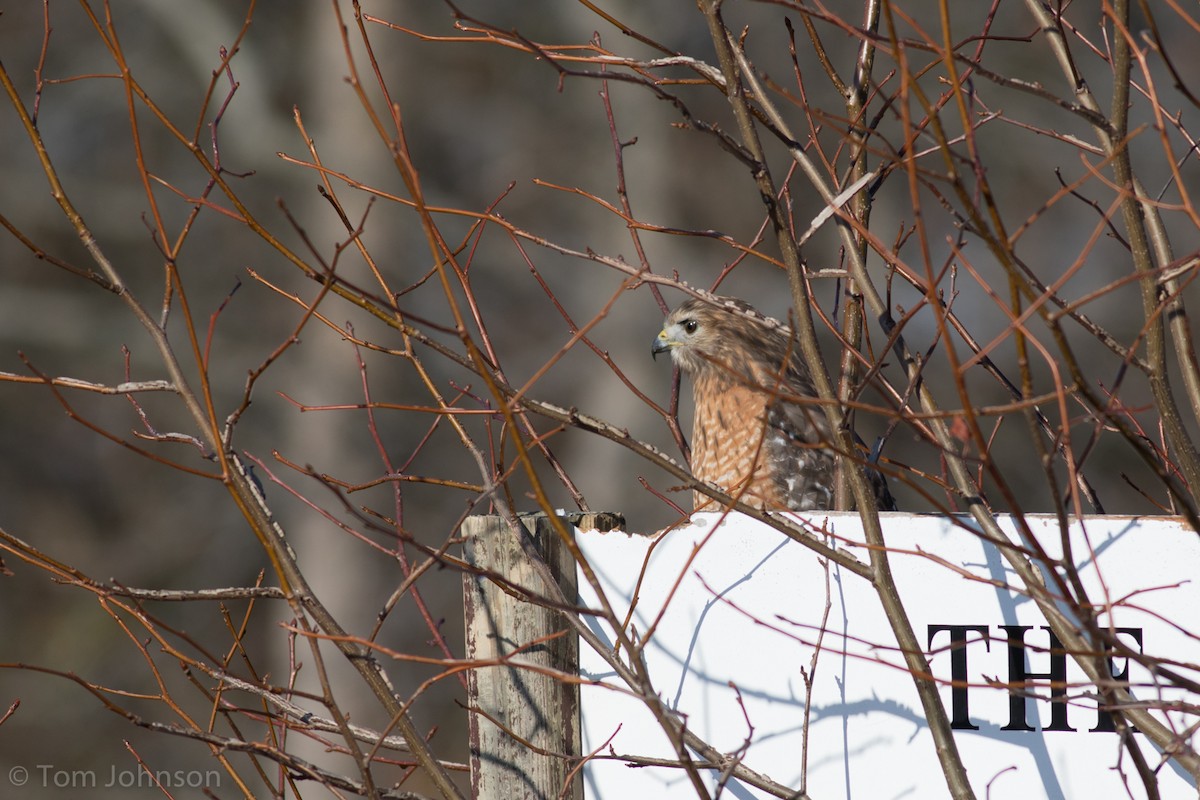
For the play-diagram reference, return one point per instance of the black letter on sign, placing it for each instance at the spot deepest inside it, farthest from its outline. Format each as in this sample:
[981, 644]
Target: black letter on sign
[961, 720]
[1104, 720]
[1018, 678]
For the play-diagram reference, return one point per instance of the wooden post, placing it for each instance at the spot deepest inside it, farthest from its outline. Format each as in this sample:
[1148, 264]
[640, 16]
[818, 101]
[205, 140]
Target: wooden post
[532, 719]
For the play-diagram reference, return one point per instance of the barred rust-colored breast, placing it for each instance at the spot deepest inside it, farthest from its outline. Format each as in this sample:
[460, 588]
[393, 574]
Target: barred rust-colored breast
[728, 445]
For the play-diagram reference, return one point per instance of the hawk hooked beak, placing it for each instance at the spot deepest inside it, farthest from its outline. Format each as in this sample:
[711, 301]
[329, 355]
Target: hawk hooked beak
[662, 343]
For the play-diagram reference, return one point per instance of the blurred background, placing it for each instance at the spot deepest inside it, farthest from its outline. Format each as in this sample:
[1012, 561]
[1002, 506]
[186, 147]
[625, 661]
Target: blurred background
[487, 126]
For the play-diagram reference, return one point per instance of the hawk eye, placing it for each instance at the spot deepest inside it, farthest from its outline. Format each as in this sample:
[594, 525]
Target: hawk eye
[690, 325]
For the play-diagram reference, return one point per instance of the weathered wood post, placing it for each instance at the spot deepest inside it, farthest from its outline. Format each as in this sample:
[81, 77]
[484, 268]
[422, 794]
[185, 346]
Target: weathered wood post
[522, 720]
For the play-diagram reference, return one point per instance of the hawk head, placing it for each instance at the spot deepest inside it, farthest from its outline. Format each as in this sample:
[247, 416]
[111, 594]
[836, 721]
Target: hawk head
[699, 333]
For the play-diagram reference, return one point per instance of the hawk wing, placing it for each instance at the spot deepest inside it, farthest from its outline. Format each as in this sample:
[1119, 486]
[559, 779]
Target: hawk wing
[799, 458]
[803, 464]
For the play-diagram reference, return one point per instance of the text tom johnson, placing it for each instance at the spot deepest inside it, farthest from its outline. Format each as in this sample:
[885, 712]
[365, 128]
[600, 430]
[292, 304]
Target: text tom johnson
[52, 776]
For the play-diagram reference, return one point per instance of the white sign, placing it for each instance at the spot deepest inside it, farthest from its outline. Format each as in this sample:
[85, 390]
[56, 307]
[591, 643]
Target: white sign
[771, 653]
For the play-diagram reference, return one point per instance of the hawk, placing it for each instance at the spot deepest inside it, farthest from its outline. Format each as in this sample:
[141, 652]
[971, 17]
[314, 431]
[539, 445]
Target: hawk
[753, 435]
